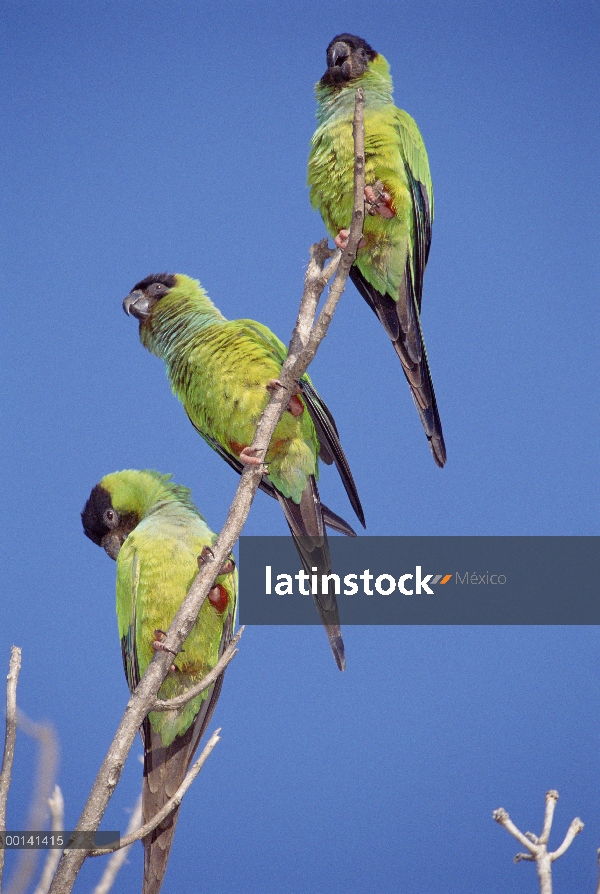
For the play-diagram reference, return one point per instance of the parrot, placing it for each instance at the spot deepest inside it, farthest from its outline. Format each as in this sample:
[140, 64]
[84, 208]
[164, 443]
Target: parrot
[222, 370]
[150, 526]
[390, 262]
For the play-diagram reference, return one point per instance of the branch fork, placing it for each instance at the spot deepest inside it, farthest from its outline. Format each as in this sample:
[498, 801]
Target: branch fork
[536, 848]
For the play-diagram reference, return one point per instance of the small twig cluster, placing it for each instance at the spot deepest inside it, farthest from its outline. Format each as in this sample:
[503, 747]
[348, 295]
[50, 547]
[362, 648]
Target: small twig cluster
[537, 849]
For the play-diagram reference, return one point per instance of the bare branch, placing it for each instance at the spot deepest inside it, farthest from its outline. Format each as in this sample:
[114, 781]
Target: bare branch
[167, 808]
[12, 679]
[118, 858]
[146, 692]
[573, 830]
[57, 811]
[502, 817]
[551, 799]
[537, 846]
[45, 780]
[169, 704]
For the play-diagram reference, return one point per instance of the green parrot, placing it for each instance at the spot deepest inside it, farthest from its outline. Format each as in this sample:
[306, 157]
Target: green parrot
[389, 267]
[221, 370]
[156, 534]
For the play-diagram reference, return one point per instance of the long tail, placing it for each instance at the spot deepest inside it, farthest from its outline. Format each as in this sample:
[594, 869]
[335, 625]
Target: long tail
[307, 525]
[332, 520]
[164, 771]
[402, 323]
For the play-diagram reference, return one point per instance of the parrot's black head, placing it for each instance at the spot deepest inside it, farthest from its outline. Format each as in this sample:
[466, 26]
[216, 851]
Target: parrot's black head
[103, 524]
[146, 293]
[348, 57]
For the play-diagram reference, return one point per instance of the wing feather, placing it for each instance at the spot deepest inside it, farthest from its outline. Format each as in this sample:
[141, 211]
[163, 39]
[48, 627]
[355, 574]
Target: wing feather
[327, 434]
[331, 518]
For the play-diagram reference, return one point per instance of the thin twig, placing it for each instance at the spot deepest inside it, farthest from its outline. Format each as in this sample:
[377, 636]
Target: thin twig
[573, 830]
[9, 739]
[118, 858]
[146, 692]
[502, 817]
[167, 808]
[178, 701]
[57, 811]
[551, 799]
[45, 780]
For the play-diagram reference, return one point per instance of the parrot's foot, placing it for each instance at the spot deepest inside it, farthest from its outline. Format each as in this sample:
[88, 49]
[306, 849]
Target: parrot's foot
[159, 646]
[203, 557]
[226, 568]
[379, 201]
[275, 383]
[295, 405]
[341, 240]
[249, 458]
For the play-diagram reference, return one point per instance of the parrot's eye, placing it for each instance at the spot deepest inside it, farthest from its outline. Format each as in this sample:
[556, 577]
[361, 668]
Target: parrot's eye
[111, 518]
[156, 290]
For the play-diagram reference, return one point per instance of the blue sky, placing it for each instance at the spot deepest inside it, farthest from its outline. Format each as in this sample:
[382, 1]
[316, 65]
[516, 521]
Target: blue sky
[174, 136]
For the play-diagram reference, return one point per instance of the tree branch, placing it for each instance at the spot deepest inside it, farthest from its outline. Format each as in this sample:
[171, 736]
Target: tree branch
[118, 858]
[551, 799]
[12, 679]
[537, 846]
[146, 692]
[45, 780]
[502, 817]
[573, 830]
[167, 808]
[57, 811]
[178, 701]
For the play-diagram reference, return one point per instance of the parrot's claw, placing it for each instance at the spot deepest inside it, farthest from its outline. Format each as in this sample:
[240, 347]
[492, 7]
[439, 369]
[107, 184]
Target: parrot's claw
[227, 567]
[159, 646]
[341, 240]
[275, 383]
[249, 458]
[203, 557]
[295, 405]
[379, 201]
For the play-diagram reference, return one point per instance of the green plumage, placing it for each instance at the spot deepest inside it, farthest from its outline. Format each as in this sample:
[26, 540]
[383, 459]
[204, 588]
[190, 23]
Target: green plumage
[221, 371]
[156, 534]
[389, 268]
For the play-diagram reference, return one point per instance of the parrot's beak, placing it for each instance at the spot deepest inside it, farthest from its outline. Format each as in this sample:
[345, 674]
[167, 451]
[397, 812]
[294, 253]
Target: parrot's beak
[338, 51]
[138, 305]
[112, 542]
[340, 62]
